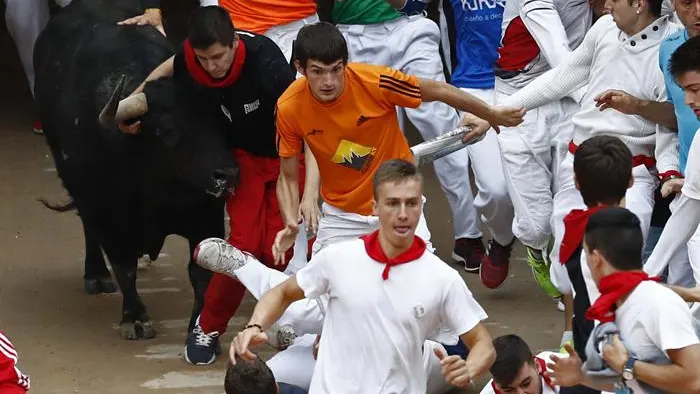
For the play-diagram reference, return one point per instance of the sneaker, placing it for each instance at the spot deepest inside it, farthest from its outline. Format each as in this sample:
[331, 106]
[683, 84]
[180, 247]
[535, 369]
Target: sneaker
[560, 304]
[540, 270]
[219, 256]
[202, 348]
[494, 265]
[281, 337]
[470, 252]
[37, 128]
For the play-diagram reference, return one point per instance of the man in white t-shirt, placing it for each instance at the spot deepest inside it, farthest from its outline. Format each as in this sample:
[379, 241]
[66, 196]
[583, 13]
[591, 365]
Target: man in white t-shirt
[661, 348]
[517, 371]
[386, 297]
[685, 220]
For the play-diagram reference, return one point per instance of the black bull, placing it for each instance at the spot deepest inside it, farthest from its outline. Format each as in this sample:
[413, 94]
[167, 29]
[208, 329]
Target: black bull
[130, 191]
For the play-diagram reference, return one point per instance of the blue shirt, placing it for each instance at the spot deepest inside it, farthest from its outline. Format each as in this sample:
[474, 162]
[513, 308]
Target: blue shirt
[478, 35]
[688, 122]
[285, 388]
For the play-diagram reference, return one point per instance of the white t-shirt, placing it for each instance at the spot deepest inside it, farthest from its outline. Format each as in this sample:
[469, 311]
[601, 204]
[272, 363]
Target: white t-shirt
[653, 320]
[691, 187]
[547, 387]
[374, 329]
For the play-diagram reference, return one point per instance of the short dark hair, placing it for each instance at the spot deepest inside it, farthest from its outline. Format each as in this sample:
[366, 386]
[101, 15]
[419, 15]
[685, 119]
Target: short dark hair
[321, 41]
[511, 354]
[686, 58]
[616, 233]
[209, 25]
[603, 169]
[395, 171]
[249, 377]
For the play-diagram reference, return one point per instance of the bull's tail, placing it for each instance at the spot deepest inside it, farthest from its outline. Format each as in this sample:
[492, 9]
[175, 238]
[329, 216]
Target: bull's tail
[58, 207]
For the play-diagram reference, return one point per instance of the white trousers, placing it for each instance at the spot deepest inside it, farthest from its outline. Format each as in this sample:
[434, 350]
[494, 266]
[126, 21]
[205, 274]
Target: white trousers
[295, 365]
[25, 19]
[337, 225]
[639, 199]
[411, 45]
[532, 152]
[684, 266]
[284, 35]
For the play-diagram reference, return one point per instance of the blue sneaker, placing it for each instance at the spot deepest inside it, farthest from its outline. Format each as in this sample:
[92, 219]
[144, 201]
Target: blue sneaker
[202, 348]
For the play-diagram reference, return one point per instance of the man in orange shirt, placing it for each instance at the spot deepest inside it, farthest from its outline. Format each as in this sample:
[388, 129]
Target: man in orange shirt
[279, 20]
[346, 115]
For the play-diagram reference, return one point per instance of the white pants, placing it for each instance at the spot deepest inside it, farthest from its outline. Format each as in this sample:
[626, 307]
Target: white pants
[295, 365]
[337, 225]
[639, 199]
[25, 19]
[284, 35]
[531, 154]
[411, 45]
[684, 266]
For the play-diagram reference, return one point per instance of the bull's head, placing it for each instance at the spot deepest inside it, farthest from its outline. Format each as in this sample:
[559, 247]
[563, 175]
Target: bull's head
[190, 143]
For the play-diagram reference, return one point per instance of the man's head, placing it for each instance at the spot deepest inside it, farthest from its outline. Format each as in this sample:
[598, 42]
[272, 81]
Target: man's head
[685, 68]
[613, 242]
[321, 53]
[398, 201]
[688, 12]
[628, 14]
[211, 34]
[249, 377]
[514, 370]
[603, 170]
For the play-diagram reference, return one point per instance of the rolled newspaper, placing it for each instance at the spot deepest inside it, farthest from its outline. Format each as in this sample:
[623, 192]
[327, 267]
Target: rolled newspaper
[441, 146]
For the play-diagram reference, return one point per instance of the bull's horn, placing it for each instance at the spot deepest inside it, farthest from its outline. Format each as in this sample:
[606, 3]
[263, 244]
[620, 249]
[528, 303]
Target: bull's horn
[131, 107]
[107, 114]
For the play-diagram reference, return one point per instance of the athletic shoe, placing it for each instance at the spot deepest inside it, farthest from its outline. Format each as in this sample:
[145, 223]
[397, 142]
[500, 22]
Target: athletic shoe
[202, 348]
[494, 265]
[470, 252]
[219, 256]
[560, 304]
[281, 337]
[540, 270]
[37, 128]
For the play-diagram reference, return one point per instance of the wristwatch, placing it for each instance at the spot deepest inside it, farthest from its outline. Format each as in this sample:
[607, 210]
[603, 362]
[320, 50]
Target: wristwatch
[628, 371]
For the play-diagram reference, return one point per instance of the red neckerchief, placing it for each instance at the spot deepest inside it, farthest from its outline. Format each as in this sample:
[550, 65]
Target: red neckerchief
[375, 251]
[574, 228]
[543, 367]
[201, 75]
[612, 288]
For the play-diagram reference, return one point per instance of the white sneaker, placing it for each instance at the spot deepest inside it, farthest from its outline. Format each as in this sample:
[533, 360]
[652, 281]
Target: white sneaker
[219, 256]
[281, 337]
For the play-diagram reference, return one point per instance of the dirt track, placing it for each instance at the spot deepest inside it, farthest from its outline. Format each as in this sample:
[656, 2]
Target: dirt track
[68, 341]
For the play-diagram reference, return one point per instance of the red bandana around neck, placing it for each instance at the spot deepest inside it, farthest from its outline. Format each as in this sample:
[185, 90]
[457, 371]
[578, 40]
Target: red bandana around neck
[374, 249]
[542, 368]
[574, 228]
[612, 288]
[201, 76]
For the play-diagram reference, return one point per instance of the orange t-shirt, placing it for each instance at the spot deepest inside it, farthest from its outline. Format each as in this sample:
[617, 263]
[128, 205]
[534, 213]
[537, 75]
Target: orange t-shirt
[258, 16]
[352, 136]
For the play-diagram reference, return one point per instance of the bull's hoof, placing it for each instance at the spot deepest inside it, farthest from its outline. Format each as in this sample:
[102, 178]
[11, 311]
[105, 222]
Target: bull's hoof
[128, 331]
[92, 286]
[107, 285]
[145, 330]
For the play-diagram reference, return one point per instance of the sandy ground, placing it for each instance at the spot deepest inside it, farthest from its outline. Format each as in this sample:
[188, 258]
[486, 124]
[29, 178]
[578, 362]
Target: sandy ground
[68, 341]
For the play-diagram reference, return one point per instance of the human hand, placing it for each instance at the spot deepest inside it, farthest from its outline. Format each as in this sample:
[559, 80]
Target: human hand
[478, 127]
[242, 342]
[455, 370]
[505, 116]
[283, 241]
[314, 349]
[151, 16]
[565, 371]
[310, 213]
[618, 100]
[672, 186]
[615, 354]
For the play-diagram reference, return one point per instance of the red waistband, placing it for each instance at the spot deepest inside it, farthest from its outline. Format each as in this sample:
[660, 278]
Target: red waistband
[647, 161]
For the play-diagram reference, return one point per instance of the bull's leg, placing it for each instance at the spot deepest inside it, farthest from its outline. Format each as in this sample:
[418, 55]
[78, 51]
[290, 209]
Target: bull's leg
[135, 322]
[199, 279]
[97, 278]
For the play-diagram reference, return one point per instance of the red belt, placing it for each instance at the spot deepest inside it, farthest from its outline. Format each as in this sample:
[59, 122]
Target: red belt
[647, 161]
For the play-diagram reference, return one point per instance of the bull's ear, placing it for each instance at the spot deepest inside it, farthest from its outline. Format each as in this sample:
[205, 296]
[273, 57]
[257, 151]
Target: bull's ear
[108, 113]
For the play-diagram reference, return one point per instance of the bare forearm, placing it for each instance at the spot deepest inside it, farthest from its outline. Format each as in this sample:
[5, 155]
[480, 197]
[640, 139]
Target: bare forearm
[288, 192]
[270, 307]
[481, 357]
[454, 97]
[672, 378]
[687, 294]
[658, 112]
[312, 184]
[162, 71]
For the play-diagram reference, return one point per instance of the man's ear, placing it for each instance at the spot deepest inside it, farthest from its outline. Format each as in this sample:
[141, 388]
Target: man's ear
[630, 183]
[300, 69]
[374, 208]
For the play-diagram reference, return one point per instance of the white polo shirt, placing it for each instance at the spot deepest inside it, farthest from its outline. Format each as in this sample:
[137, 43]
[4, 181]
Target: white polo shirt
[374, 328]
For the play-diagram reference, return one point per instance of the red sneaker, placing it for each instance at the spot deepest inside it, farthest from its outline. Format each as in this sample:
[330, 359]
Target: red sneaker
[494, 265]
[37, 128]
